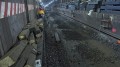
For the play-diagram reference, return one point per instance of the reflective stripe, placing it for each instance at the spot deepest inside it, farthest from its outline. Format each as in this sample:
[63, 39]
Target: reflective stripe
[2, 10]
[9, 6]
[13, 8]
[8, 9]
[16, 8]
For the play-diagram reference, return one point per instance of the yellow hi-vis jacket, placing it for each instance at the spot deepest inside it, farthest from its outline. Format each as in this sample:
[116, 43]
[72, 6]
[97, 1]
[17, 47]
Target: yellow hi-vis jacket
[41, 12]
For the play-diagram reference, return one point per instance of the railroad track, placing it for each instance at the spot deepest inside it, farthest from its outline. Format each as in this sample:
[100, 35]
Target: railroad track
[77, 48]
[100, 30]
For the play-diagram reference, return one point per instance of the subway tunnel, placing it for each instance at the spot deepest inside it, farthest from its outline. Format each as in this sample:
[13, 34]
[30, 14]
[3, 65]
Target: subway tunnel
[68, 33]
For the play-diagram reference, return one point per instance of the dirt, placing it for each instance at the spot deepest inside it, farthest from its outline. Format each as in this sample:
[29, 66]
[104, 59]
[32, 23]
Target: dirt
[80, 47]
[55, 54]
[72, 35]
[91, 49]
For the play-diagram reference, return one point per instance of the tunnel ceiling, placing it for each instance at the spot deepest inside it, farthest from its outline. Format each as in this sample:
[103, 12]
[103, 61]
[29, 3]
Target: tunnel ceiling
[46, 1]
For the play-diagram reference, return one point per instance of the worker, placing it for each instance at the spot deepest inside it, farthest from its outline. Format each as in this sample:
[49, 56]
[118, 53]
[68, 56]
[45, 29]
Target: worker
[40, 13]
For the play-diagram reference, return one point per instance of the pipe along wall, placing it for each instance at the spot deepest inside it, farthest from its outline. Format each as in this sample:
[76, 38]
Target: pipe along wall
[14, 14]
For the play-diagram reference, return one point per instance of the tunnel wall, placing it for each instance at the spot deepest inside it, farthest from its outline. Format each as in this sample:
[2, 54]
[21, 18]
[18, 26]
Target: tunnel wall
[13, 17]
[31, 10]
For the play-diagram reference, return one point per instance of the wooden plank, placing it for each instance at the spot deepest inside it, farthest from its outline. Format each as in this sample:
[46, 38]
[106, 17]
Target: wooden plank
[38, 32]
[37, 29]
[26, 27]
[34, 46]
[38, 39]
[39, 35]
[34, 49]
[24, 34]
[39, 48]
[32, 39]
[24, 56]
[12, 56]
[31, 60]
[40, 24]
